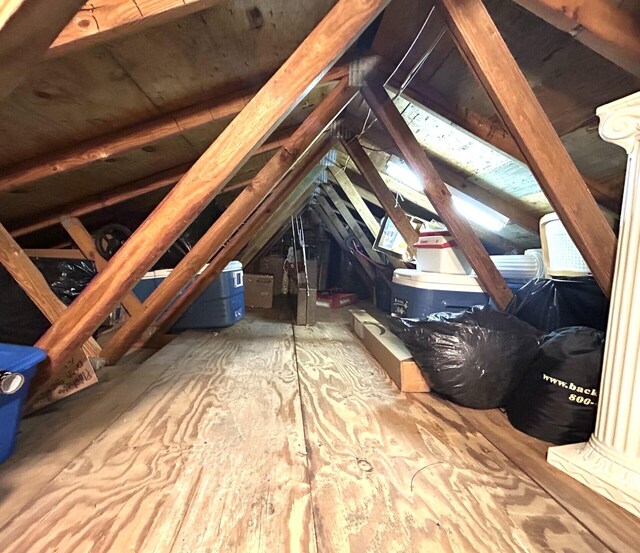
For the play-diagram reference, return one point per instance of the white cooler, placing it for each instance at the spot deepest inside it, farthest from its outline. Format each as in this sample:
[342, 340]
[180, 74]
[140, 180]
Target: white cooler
[437, 252]
[417, 294]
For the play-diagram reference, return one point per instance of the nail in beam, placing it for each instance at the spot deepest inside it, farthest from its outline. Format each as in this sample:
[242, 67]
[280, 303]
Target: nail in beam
[295, 186]
[489, 58]
[437, 192]
[230, 220]
[306, 66]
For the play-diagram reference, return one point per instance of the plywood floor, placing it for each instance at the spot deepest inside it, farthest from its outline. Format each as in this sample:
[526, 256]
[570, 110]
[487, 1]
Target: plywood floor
[269, 437]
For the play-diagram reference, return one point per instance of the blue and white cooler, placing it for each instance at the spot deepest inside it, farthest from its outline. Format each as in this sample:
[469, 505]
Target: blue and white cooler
[220, 305]
[418, 294]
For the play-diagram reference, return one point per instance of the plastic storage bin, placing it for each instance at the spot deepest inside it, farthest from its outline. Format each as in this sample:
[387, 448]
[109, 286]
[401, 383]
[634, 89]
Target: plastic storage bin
[417, 294]
[437, 252]
[561, 257]
[18, 365]
[220, 305]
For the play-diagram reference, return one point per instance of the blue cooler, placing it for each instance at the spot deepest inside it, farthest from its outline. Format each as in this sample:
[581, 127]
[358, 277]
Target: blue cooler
[220, 305]
[417, 294]
[18, 365]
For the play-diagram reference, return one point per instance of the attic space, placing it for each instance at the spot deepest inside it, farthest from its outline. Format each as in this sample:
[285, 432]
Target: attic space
[319, 275]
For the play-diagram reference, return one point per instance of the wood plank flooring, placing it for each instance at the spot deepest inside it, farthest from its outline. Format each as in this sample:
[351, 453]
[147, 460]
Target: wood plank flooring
[269, 437]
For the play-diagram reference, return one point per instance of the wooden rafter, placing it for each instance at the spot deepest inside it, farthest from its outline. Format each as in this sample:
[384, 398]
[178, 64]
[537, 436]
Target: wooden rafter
[275, 100]
[134, 137]
[164, 179]
[80, 235]
[435, 189]
[340, 234]
[107, 20]
[456, 180]
[223, 228]
[493, 133]
[281, 219]
[410, 197]
[489, 58]
[27, 28]
[387, 199]
[598, 24]
[351, 222]
[295, 187]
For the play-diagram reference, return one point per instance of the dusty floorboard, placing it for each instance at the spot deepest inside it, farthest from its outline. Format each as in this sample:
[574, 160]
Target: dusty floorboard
[252, 441]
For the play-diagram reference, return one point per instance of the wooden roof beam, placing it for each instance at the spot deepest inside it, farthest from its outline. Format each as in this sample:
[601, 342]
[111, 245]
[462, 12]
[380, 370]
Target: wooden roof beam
[232, 218]
[276, 99]
[164, 179]
[435, 189]
[27, 29]
[455, 179]
[372, 176]
[105, 20]
[136, 136]
[494, 134]
[491, 61]
[598, 24]
[294, 188]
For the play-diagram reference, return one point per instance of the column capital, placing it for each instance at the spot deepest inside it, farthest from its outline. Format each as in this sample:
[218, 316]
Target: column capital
[620, 122]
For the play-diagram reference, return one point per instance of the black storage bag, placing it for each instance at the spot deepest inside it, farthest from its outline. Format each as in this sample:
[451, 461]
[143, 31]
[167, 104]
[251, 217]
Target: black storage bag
[475, 358]
[21, 322]
[557, 399]
[550, 304]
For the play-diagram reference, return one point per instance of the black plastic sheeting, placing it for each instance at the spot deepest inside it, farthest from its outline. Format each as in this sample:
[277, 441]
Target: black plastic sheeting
[561, 302]
[557, 399]
[21, 322]
[475, 358]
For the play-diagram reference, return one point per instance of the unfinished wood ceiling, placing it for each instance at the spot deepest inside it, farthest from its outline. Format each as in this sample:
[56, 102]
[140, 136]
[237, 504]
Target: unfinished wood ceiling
[92, 91]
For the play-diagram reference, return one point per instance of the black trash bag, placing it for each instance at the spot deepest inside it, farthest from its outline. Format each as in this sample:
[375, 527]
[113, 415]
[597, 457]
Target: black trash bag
[557, 399]
[66, 277]
[21, 322]
[475, 358]
[550, 304]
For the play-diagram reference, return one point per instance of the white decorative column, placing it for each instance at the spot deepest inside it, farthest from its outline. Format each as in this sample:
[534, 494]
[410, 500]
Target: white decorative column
[609, 462]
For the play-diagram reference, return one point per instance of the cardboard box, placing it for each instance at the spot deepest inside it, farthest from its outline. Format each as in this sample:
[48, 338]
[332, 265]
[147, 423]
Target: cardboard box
[258, 290]
[388, 350]
[273, 265]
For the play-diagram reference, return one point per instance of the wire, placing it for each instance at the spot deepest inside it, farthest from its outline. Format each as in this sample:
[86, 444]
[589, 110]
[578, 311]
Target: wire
[424, 24]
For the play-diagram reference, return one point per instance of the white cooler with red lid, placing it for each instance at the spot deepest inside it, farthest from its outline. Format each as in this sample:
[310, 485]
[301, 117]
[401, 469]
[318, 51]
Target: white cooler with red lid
[437, 252]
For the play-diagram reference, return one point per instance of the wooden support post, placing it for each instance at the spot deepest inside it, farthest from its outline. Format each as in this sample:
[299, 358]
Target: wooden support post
[435, 189]
[304, 68]
[86, 245]
[351, 222]
[380, 189]
[298, 184]
[231, 219]
[27, 29]
[489, 58]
